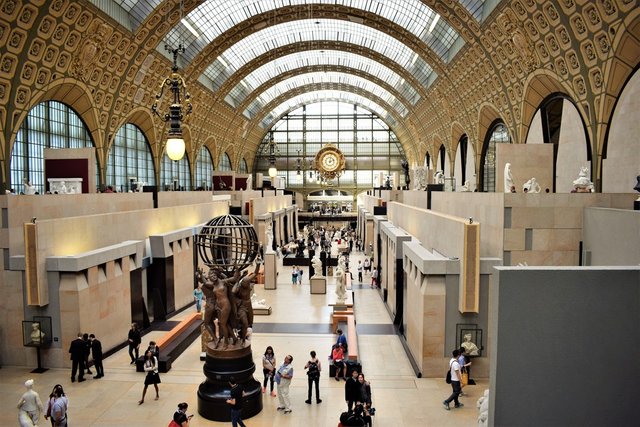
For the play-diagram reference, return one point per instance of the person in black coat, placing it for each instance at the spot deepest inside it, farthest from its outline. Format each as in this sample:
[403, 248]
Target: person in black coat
[96, 350]
[134, 342]
[77, 351]
[352, 390]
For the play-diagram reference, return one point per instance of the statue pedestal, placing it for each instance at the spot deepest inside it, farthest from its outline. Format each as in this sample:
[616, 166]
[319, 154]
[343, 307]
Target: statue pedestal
[318, 285]
[219, 367]
[270, 274]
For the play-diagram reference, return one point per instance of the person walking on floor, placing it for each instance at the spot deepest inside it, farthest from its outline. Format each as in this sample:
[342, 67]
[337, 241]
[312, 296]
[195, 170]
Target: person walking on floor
[294, 275]
[374, 277]
[96, 350]
[313, 368]
[283, 379]
[77, 351]
[151, 368]
[198, 295]
[360, 272]
[235, 402]
[268, 369]
[134, 340]
[454, 368]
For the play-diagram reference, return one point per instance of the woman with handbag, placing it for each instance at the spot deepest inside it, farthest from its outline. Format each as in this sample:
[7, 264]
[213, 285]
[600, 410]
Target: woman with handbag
[180, 417]
[268, 369]
[151, 368]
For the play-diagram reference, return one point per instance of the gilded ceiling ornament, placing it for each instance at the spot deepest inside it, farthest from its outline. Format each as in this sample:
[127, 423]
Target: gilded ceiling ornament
[91, 45]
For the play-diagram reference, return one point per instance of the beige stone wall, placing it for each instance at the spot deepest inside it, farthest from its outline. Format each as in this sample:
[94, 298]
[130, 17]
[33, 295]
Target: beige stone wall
[177, 198]
[21, 209]
[527, 161]
[98, 301]
[486, 208]
[183, 272]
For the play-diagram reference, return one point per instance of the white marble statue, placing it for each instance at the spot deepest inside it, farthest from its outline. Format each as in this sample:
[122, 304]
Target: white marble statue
[470, 349]
[249, 182]
[29, 407]
[509, 187]
[483, 409]
[531, 186]
[37, 336]
[317, 266]
[342, 262]
[258, 303]
[438, 177]
[269, 238]
[29, 189]
[341, 289]
[466, 188]
[583, 184]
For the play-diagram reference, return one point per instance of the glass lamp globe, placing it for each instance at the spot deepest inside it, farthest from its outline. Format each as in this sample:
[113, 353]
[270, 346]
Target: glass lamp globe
[273, 172]
[175, 148]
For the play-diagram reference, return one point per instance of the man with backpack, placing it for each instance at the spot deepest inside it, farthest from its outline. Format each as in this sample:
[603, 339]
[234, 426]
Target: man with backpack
[313, 368]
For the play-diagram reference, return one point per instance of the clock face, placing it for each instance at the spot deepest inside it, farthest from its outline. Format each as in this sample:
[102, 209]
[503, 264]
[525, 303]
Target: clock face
[330, 162]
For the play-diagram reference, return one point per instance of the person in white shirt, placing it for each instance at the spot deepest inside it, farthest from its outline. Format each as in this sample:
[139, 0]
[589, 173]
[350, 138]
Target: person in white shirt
[283, 378]
[454, 368]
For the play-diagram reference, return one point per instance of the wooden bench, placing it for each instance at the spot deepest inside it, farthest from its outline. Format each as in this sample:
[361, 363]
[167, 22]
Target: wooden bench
[174, 342]
[352, 338]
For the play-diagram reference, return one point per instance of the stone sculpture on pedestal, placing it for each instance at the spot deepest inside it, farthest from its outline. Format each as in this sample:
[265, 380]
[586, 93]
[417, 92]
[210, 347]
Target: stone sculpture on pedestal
[227, 245]
[531, 186]
[316, 263]
[341, 290]
[508, 179]
[583, 184]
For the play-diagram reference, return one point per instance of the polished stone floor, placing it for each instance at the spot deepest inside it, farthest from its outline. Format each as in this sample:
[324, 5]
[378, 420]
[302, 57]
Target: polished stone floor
[299, 323]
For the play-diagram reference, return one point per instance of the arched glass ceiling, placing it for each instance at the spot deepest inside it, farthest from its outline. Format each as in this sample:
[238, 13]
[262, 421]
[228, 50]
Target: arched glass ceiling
[312, 58]
[479, 9]
[323, 77]
[326, 95]
[306, 31]
[213, 17]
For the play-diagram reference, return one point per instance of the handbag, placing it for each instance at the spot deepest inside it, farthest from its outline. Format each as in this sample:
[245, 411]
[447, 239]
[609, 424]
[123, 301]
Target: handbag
[464, 379]
[447, 379]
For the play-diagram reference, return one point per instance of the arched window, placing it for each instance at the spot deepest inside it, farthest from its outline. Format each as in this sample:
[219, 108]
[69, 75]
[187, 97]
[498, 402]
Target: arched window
[243, 166]
[129, 157]
[204, 169]
[50, 124]
[225, 163]
[498, 134]
[442, 158]
[175, 174]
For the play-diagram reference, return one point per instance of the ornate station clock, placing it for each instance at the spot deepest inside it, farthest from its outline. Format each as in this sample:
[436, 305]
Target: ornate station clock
[330, 162]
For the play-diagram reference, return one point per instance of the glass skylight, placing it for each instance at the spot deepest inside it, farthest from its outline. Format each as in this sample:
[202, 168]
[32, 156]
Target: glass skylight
[312, 58]
[307, 31]
[326, 95]
[321, 77]
[476, 8]
[213, 17]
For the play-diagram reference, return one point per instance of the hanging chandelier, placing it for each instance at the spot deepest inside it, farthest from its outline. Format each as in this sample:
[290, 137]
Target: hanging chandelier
[179, 109]
[273, 171]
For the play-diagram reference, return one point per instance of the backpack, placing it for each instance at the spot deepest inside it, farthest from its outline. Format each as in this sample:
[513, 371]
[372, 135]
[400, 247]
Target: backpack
[313, 370]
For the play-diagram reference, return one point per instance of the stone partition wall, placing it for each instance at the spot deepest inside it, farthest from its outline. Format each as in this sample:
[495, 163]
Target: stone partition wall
[91, 293]
[453, 237]
[527, 161]
[563, 351]
[611, 237]
[16, 210]
[178, 198]
[426, 307]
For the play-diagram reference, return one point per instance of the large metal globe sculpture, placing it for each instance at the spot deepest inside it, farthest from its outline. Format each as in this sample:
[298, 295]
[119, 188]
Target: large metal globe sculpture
[228, 243]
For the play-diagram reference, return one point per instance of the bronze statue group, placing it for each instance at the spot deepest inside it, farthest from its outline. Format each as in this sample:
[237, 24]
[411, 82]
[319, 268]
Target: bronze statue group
[227, 314]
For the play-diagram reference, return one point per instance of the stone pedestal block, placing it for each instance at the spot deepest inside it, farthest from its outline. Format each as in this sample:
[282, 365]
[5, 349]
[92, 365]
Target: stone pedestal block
[318, 285]
[270, 276]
